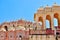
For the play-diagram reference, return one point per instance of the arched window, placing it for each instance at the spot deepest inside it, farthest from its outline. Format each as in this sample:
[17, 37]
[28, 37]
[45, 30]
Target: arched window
[40, 21]
[56, 20]
[47, 24]
[48, 21]
[20, 37]
[6, 28]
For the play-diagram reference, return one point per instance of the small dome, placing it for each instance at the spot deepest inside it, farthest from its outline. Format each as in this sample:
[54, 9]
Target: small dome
[47, 6]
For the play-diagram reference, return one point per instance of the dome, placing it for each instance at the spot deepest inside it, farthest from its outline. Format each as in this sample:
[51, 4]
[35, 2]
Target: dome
[47, 6]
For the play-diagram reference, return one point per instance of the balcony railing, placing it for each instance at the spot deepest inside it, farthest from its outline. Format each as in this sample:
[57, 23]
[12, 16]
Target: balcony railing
[37, 32]
[57, 27]
[42, 32]
[50, 32]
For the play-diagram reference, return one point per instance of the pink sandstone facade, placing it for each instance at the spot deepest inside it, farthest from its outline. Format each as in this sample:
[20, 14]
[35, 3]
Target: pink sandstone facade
[26, 30]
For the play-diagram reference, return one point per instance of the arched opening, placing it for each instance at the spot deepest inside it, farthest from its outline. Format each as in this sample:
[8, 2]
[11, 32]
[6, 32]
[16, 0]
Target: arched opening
[40, 23]
[6, 28]
[40, 20]
[56, 20]
[20, 37]
[48, 22]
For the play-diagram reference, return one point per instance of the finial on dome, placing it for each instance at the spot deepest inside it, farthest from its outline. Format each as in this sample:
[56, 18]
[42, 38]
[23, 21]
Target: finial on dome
[47, 5]
[55, 3]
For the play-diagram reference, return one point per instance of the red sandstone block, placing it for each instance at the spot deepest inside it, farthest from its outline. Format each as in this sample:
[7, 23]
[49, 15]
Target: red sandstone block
[32, 31]
[25, 38]
[26, 34]
[37, 32]
[11, 35]
[2, 35]
[20, 34]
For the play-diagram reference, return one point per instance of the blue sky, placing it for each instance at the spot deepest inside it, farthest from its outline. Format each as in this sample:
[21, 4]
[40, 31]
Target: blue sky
[16, 9]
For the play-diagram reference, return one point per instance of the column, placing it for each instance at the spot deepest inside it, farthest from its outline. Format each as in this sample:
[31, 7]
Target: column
[59, 20]
[44, 22]
[34, 37]
[43, 37]
[52, 21]
[39, 37]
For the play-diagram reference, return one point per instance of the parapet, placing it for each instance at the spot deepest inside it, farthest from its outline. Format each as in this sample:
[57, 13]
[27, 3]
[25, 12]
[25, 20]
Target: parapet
[40, 10]
[53, 8]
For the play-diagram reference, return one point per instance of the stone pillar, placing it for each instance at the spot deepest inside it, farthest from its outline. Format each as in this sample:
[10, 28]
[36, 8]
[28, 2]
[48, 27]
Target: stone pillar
[30, 38]
[11, 35]
[2, 35]
[51, 37]
[52, 21]
[44, 22]
[39, 37]
[59, 20]
[43, 37]
[34, 37]
[36, 20]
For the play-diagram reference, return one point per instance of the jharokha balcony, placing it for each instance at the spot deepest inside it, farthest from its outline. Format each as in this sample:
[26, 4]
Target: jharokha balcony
[48, 31]
[42, 32]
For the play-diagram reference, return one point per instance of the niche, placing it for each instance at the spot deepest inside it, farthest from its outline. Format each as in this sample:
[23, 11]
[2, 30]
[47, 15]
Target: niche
[6, 28]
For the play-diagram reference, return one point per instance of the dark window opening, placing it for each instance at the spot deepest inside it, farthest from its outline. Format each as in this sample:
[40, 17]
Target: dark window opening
[20, 36]
[11, 36]
[57, 33]
[6, 28]
[29, 25]
[13, 25]
[1, 36]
